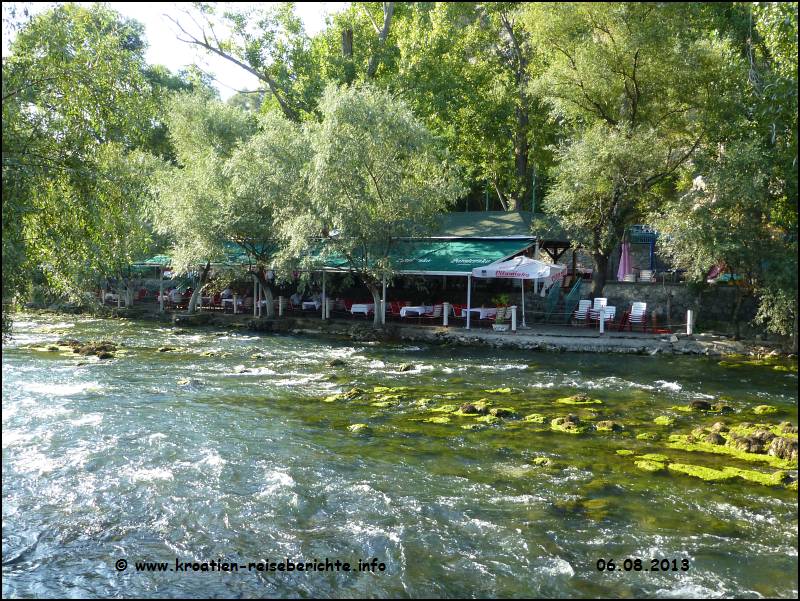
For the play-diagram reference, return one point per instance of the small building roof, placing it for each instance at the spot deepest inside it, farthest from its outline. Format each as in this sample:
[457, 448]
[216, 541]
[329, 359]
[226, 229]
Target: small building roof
[485, 225]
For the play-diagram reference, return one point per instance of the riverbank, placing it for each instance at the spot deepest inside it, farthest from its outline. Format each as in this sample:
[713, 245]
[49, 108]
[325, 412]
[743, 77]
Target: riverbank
[539, 337]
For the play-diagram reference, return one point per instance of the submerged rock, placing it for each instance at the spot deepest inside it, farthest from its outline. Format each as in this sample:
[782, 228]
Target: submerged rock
[719, 427]
[166, 349]
[664, 420]
[624, 452]
[646, 436]
[704, 473]
[714, 438]
[650, 466]
[608, 426]
[358, 427]
[405, 367]
[700, 405]
[784, 448]
[502, 411]
[476, 408]
[569, 424]
[578, 399]
[344, 396]
[438, 420]
[787, 428]
[765, 410]
[336, 363]
[536, 418]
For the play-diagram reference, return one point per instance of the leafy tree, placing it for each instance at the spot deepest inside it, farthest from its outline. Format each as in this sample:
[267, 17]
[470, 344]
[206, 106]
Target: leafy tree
[376, 174]
[75, 102]
[740, 204]
[637, 73]
[191, 197]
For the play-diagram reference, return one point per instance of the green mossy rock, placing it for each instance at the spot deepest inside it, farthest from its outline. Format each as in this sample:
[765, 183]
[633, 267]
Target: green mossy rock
[438, 420]
[502, 411]
[682, 442]
[684, 408]
[646, 436]
[536, 418]
[650, 466]
[664, 420]
[568, 425]
[488, 419]
[358, 428]
[384, 404]
[765, 410]
[500, 391]
[405, 367]
[774, 479]
[444, 409]
[473, 409]
[608, 426]
[541, 461]
[625, 452]
[578, 399]
[349, 395]
[654, 457]
[698, 471]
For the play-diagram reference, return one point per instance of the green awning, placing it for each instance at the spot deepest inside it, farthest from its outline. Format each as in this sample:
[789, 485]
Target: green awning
[443, 257]
[157, 261]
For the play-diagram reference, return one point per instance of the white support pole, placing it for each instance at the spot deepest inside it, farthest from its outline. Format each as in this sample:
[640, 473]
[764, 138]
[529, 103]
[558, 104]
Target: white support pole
[280, 306]
[234, 304]
[602, 320]
[161, 290]
[513, 318]
[324, 304]
[689, 322]
[469, 298]
[446, 312]
[255, 297]
[383, 302]
[522, 285]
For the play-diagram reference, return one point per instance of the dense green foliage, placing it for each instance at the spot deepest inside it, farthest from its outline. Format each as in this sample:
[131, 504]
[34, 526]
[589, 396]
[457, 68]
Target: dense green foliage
[683, 116]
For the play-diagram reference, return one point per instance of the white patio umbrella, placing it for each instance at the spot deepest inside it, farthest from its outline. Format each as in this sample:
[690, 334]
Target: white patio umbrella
[521, 268]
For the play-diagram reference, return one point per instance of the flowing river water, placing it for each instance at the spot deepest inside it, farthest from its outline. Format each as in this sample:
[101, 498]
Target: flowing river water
[226, 448]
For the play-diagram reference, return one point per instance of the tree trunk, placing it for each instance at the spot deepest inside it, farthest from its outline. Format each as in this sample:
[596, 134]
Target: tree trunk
[735, 315]
[199, 289]
[376, 299]
[267, 293]
[599, 274]
[794, 332]
[517, 200]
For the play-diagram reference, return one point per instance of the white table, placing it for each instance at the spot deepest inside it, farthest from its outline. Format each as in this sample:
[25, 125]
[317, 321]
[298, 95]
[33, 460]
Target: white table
[415, 311]
[229, 301]
[483, 312]
[365, 308]
[311, 305]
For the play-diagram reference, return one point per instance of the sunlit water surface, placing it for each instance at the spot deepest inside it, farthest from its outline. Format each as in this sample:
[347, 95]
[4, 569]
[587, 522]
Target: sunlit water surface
[117, 459]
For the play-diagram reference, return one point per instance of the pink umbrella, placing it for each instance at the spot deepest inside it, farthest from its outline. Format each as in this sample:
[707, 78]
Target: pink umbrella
[624, 262]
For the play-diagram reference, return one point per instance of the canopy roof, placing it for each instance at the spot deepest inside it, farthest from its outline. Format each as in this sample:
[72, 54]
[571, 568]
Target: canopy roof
[441, 257]
[522, 268]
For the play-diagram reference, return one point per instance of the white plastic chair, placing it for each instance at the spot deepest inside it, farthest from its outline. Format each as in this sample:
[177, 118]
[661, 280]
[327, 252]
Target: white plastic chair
[594, 312]
[581, 314]
[638, 315]
[646, 275]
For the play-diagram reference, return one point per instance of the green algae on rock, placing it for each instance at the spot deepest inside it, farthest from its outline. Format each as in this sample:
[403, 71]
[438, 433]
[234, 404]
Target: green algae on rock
[578, 399]
[765, 410]
[646, 436]
[358, 427]
[384, 404]
[502, 411]
[625, 452]
[437, 420]
[536, 418]
[650, 466]
[774, 479]
[349, 395]
[569, 424]
[444, 409]
[682, 442]
[488, 419]
[664, 420]
[698, 471]
[654, 457]
[608, 426]
[500, 391]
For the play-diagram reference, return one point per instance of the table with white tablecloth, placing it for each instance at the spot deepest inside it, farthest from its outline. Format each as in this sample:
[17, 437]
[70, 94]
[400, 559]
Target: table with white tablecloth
[483, 312]
[365, 308]
[415, 311]
[311, 305]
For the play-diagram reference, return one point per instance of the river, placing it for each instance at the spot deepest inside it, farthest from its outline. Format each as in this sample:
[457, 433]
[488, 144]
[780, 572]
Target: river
[226, 448]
